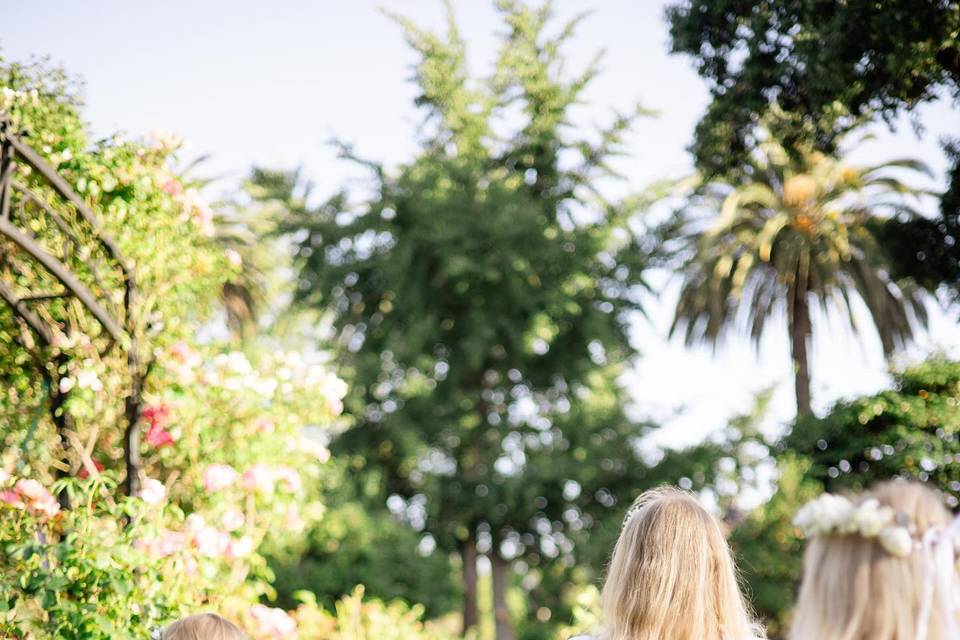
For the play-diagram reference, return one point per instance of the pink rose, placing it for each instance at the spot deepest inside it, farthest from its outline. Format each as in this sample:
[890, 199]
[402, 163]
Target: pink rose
[12, 498]
[170, 542]
[259, 477]
[31, 490]
[333, 389]
[219, 476]
[159, 437]
[200, 211]
[232, 520]
[39, 501]
[173, 187]
[273, 623]
[184, 354]
[180, 351]
[289, 478]
[292, 519]
[156, 414]
[210, 542]
[265, 425]
[46, 508]
[147, 545]
[239, 548]
[194, 522]
[234, 257]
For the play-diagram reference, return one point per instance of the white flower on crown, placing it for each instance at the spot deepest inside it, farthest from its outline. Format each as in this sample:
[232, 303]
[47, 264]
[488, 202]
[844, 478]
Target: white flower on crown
[896, 541]
[871, 518]
[835, 515]
[828, 513]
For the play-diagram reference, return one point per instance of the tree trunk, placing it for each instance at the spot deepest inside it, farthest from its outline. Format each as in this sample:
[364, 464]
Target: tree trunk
[800, 331]
[468, 554]
[501, 581]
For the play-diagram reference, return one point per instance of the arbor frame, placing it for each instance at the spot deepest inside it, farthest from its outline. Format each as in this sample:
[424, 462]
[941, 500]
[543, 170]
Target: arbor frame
[41, 333]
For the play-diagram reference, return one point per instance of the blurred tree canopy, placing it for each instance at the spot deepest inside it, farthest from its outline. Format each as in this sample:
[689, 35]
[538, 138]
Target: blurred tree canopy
[826, 65]
[911, 431]
[354, 545]
[480, 296]
[928, 249]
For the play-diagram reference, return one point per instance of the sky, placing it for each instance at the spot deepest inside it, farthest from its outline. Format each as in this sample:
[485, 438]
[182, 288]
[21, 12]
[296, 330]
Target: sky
[269, 84]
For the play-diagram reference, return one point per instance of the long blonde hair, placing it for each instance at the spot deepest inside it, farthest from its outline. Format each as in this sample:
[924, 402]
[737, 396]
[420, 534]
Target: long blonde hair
[853, 589]
[672, 575]
[203, 626]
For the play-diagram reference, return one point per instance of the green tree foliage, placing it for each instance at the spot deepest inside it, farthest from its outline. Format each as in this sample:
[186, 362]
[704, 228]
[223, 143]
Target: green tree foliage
[793, 235]
[911, 431]
[827, 65]
[768, 550]
[480, 298]
[354, 545]
[928, 250]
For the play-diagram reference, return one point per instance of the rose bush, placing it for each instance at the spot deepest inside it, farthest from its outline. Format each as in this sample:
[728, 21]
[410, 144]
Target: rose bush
[231, 463]
[107, 568]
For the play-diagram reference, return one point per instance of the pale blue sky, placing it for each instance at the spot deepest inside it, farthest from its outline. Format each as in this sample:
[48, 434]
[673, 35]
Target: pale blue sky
[269, 83]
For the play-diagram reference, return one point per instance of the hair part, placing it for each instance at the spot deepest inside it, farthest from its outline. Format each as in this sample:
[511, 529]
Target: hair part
[672, 575]
[853, 589]
[203, 626]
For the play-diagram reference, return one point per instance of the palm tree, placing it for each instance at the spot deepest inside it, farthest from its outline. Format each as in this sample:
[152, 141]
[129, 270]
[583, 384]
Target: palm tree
[795, 234]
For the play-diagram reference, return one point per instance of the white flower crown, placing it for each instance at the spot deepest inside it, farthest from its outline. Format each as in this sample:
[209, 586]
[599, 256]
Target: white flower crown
[835, 515]
[939, 547]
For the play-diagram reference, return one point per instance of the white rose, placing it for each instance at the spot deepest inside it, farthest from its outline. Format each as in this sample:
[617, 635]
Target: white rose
[66, 383]
[152, 491]
[236, 362]
[897, 541]
[87, 379]
[836, 514]
[806, 518]
[871, 518]
[826, 514]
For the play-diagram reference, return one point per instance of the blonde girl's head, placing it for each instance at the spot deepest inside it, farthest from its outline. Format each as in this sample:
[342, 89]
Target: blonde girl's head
[870, 587]
[203, 626]
[672, 575]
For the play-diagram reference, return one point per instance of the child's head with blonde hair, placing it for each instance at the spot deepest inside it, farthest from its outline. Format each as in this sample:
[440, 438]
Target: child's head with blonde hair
[203, 626]
[881, 566]
[672, 575]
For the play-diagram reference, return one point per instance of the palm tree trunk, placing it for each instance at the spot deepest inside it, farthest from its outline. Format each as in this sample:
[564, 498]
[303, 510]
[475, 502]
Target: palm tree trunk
[468, 555]
[500, 569]
[800, 331]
